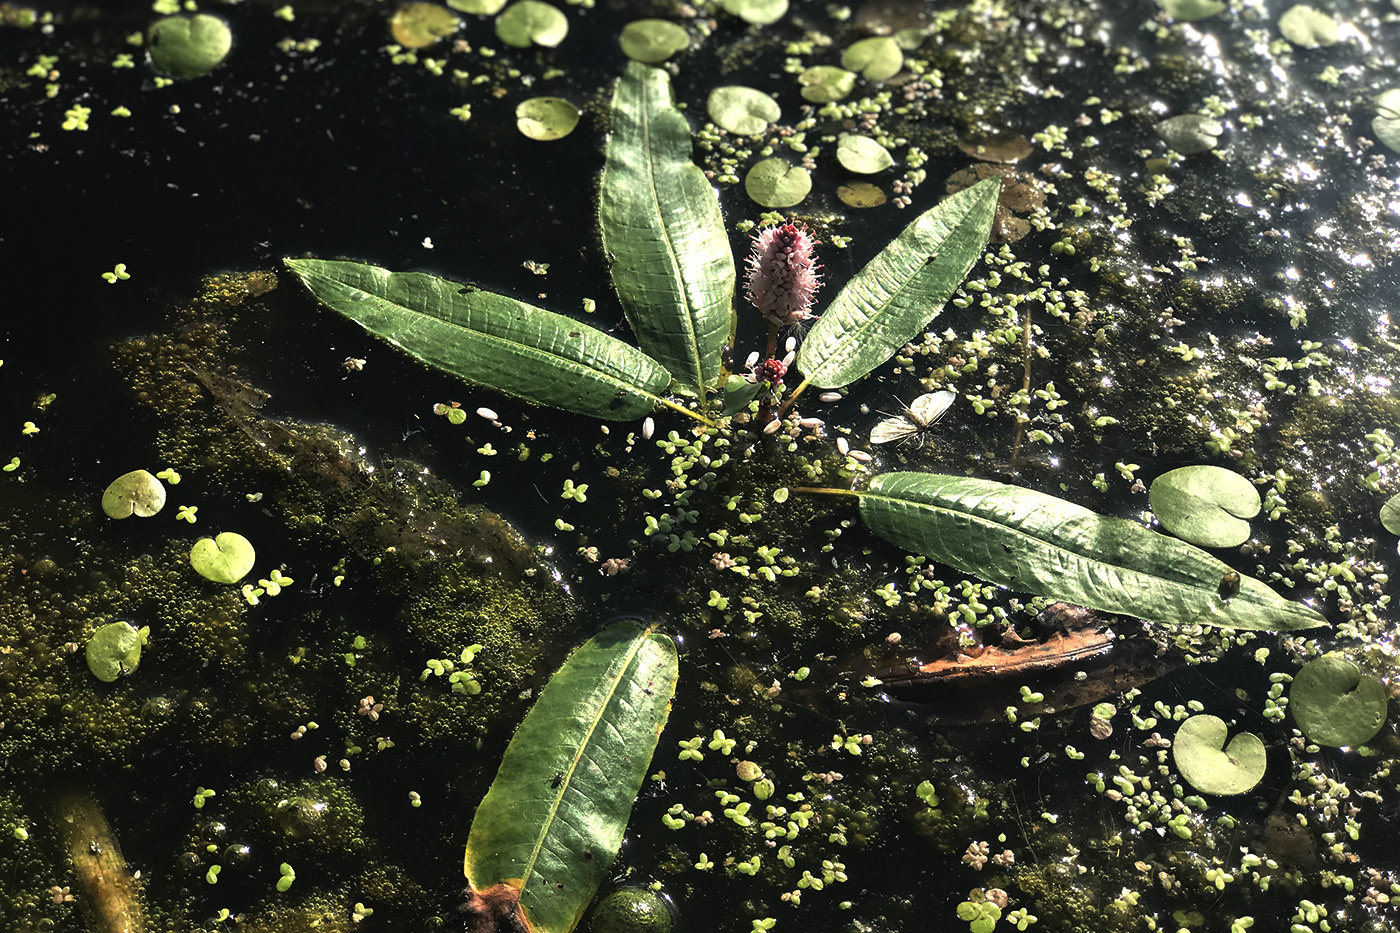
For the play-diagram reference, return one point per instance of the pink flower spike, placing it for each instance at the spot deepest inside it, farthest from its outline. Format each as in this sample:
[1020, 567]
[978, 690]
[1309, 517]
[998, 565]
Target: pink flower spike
[782, 274]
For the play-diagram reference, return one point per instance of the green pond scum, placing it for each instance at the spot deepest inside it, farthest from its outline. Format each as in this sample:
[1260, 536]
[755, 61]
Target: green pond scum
[304, 748]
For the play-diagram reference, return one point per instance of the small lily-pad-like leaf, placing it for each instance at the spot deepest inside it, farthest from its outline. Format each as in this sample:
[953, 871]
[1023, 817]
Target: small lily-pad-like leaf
[1211, 766]
[1390, 515]
[742, 110]
[188, 46]
[136, 493]
[757, 12]
[546, 118]
[114, 650]
[652, 40]
[1190, 133]
[225, 558]
[775, 183]
[877, 59]
[479, 7]
[1206, 505]
[419, 25]
[1188, 11]
[823, 84]
[862, 155]
[1335, 704]
[861, 194]
[531, 21]
[1308, 27]
[1386, 124]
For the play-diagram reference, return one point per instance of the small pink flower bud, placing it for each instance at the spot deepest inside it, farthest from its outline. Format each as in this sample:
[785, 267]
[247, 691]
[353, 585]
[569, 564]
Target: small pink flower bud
[782, 274]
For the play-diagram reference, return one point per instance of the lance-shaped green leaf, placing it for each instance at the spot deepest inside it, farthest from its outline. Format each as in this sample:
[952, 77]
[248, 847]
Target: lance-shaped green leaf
[662, 230]
[891, 300]
[549, 827]
[1036, 543]
[492, 340]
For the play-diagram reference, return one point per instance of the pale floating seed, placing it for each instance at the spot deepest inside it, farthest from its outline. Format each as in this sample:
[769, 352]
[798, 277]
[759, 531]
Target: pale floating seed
[790, 345]
[648, 429]
[861, 455]
[772, 427]
[829, 397]
[843, 446]
[811, 424]
[894, 638]
[488, 414]
[605, 429]
[752, 360]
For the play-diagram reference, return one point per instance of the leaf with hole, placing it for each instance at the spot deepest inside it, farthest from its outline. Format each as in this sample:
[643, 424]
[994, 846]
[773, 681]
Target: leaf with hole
[225, 558]
[822, 84]
[891, 300]
[1335, 704]
[777, 183]
[528, 22]
[136, 493]
[114, 650]
[1212, 767]
[742, 110]
[1206, 505]
[546, 833]
[491, 339]
[652, 40]
[661, 226]
[1036, 543]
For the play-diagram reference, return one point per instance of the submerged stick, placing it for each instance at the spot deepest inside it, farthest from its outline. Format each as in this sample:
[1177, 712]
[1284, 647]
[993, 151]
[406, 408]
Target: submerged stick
[111, 894]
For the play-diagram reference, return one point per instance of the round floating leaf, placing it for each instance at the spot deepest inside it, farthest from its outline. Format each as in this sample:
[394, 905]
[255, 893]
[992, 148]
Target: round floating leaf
[135, 493]
[225, 558]
[758, 12]
[1190, 133]
[114, 650]
[862, 155]
[1187, 11]
[1386, 125]
[877, 59]
[861, 194]
[824, 83]
[1206, 505]
[527, 21]
[742, 110]
[775, 183]
[1387, 103]
[1390, 515]
[188, 46]
[1308, 27]
[1211, 766]
[1335, 704]
[652, 40]
[546, 118]
[419, 25]
[479, 7]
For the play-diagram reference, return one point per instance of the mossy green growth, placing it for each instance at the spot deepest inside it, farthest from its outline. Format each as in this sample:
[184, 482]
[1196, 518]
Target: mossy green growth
[632, 910]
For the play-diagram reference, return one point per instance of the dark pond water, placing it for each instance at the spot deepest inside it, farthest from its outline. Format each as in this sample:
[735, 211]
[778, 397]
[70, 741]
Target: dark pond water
[1229, 307]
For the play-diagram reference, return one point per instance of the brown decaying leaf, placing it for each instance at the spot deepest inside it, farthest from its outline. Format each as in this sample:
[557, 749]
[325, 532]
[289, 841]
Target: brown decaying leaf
[1020, 193]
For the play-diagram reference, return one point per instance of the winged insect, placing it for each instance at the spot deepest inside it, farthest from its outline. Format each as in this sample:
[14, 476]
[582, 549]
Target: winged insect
[918, 415]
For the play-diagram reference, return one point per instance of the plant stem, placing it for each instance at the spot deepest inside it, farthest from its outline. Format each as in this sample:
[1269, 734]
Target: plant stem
[667, 403]
[765, 410]
[1025, 378]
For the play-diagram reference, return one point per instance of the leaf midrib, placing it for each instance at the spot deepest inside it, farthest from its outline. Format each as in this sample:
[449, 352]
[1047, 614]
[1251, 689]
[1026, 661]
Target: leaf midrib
[688, 318]
[547, 824]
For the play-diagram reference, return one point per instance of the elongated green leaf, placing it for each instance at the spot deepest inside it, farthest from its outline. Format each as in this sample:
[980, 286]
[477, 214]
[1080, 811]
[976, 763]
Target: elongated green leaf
[551, 824]
[492, 340]
[662, 229]
[891, 300]
[1035, 543]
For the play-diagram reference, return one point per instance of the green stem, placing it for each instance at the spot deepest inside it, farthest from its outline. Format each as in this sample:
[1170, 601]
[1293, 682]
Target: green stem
[667, 403]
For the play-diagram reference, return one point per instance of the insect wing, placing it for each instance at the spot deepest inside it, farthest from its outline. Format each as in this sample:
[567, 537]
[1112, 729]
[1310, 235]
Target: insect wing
[928, 408]
[893, 429]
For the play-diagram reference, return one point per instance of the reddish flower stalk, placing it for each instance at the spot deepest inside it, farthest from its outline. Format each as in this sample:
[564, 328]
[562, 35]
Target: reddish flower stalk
[782, 274]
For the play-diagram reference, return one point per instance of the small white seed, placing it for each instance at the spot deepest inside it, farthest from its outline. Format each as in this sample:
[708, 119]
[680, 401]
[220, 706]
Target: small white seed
[772, 427]
[790, 344]
[488, 414]
[648, 429]
[843, 446]
[894, 638]
[829, 397]
[811, 424]
[861, 455]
